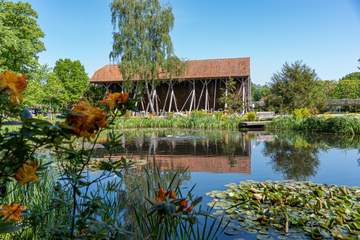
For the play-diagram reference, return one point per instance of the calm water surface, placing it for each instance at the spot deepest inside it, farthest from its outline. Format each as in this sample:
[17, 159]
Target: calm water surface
[216, 158]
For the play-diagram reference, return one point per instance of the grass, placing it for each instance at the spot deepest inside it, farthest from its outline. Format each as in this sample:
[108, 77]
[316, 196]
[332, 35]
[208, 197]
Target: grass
[345, 125]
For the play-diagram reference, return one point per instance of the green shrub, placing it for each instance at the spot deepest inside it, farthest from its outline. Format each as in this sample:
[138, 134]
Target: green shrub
[347, 125]
[250, 116]
[301, 113]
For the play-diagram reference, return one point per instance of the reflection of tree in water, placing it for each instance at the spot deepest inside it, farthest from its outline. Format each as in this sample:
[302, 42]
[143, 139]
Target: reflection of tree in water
[294, 159]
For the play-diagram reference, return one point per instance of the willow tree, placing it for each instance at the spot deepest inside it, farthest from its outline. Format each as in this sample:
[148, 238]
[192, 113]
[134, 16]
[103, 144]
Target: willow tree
[141, 41]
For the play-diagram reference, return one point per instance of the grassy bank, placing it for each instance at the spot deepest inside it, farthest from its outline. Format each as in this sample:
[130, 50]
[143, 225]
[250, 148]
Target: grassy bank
[195, 120]
[346, 124]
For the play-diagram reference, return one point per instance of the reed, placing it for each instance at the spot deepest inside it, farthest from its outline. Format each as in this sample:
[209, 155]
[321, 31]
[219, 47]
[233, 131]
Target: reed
[196, 120]
[346, 125]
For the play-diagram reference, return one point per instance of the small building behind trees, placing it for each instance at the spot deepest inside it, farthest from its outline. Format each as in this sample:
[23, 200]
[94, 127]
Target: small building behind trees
[199, 87]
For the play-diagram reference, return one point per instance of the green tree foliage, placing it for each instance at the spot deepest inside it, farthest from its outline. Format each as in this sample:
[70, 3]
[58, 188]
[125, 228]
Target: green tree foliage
[295, 86]
[352, 76]
[142, 42]
[45, 91]
[73, 78]
[231, 98]
[20, 37]
[259, 91]
[55, 89]
[295, 159]
[348, 86]
[347, 89]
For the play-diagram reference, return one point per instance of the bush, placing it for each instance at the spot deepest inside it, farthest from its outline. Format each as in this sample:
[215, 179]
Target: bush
[250, 116]
[300, 113]
[346, 125]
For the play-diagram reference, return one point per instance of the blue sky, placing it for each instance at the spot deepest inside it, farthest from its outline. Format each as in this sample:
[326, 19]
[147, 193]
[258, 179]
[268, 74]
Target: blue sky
[325, 34]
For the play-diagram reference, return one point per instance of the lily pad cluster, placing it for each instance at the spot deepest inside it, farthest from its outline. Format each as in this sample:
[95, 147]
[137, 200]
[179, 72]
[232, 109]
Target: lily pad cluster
[318, 211]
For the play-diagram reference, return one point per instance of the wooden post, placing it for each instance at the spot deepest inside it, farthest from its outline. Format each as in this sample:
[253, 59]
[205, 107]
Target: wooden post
[206, 96]
[187, 99]
[243, 96]
[176, 107]
[202, 90]
[192, 97]
[226, 93]
[171, 96]
[167, 95]
[215, 83]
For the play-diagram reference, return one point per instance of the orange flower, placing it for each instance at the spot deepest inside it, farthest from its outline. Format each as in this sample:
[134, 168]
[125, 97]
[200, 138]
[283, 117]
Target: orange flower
[27, 173]
[189, 209]
[12, 212]
[14, 83]
[113, 99]
[183, 203]
[160, 196]
[171, 194]
[85, 120]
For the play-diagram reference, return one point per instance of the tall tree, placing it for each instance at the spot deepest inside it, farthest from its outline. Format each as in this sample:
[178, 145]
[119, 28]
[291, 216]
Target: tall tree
[20, 37]
[45, 90]
[348, 86]
[259, 91]
[73, 77]
[142, 43]
[295, 86]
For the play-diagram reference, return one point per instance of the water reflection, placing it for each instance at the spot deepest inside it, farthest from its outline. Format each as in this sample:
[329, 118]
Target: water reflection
[257, 155]
[197, 151]
[296, 159]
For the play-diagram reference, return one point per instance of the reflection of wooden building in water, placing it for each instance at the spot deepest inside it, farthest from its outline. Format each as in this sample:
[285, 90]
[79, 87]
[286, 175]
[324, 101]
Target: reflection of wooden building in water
[197, 163]
[198, 88]
[198, 155]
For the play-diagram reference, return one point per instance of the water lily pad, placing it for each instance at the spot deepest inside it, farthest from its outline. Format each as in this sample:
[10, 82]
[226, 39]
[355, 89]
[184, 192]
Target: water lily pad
[321, 211]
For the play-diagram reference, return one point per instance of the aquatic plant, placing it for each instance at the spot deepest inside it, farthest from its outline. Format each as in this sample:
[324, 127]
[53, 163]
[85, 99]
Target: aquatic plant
[291, 208]
[196, 120]
[347, 125]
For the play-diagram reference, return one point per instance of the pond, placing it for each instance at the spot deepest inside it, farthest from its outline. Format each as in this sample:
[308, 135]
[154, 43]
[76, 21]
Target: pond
[217, 158]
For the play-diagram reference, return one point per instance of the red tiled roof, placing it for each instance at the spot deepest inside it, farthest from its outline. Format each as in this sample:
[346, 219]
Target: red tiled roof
[195, 69]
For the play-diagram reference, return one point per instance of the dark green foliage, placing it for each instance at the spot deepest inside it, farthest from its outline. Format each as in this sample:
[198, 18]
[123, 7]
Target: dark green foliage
[259, 92]
[295, 86]
[95, 93]
[20, 37]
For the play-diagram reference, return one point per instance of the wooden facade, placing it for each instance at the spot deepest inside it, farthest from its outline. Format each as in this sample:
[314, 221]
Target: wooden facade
[199, 88]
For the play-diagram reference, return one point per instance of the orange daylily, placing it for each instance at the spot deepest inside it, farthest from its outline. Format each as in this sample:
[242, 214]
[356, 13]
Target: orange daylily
[183, 203]
[171, 194]
[27, 173]
[113, 99]
[14, 83]
[161, 195]
[12, 212]
[84, 119]
[189, 209]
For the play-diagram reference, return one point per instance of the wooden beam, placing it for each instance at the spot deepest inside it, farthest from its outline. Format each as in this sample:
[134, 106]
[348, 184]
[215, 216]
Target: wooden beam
[202, 90]
[215, 83]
